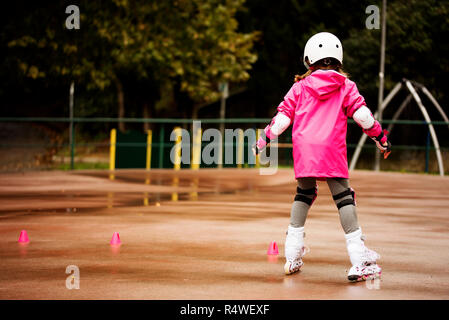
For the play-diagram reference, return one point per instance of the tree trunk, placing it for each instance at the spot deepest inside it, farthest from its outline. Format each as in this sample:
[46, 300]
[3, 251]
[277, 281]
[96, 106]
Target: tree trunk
[121, 104]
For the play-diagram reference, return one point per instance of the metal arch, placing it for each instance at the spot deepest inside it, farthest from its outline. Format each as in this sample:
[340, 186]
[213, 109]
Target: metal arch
[362, 140]
[391, 95]
[415, 95]
[435, 103]
[399, 111]
[431, 129]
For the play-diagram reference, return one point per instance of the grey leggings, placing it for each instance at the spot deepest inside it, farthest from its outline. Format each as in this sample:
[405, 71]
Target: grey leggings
[304, 197]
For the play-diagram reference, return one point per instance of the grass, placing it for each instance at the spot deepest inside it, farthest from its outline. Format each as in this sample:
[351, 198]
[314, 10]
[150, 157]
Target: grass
[83, 166]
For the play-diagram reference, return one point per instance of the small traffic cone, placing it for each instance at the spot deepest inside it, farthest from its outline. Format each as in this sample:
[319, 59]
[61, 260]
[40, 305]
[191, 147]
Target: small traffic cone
[115, 239]
[273, 248]
[23, 238]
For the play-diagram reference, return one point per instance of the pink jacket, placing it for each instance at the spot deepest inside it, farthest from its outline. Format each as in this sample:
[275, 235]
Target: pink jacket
[318, 106]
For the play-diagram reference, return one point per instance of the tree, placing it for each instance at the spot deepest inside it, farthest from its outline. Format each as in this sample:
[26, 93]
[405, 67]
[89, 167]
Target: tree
[415, 49]
[415, 46]
[195, 43]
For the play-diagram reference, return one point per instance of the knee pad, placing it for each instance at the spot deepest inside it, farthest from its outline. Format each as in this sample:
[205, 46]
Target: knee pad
[346, 202]
[302, 195]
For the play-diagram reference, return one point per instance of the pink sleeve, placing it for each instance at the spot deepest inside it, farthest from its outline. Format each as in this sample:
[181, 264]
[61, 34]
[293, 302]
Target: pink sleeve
[353, 99]
[288, 106]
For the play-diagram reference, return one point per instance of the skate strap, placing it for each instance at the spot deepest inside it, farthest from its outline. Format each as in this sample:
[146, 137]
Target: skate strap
[346, 202]
[311, 191]
[300, 197]
[305, 250]
[347, 192]
[380, 136]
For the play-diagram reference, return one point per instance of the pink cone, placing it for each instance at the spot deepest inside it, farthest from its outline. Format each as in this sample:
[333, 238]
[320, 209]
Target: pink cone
[23, 238]
[115, 238]
[273, 248]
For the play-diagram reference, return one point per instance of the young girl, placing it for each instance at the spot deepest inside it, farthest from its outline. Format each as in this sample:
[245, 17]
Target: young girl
[318, 105]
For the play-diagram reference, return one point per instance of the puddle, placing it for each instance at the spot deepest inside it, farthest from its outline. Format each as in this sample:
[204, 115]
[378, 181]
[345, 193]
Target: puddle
[148, 179]
[79, 202]
[170, 179]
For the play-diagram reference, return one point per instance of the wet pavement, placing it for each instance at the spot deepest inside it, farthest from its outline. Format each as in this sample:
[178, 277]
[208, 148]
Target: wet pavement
[204, 235]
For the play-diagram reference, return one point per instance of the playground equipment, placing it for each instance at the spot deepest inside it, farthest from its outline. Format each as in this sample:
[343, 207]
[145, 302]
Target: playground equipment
[412, 86]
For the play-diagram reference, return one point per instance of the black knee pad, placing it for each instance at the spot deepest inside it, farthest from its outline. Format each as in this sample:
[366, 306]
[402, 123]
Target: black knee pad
[302, 195]
[346, 202]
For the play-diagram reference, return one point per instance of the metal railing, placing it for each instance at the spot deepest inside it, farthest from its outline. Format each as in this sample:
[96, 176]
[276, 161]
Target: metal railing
[166, 123]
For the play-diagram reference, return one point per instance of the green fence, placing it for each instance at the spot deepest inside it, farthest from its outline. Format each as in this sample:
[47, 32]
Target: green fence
[131, 146]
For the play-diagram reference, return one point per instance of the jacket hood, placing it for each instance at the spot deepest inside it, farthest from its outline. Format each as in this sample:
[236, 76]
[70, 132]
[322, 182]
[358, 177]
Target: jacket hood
[323, 83]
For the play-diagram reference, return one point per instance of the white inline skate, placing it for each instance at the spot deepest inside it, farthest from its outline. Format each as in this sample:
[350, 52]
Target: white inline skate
[364, 266]
[294, 249]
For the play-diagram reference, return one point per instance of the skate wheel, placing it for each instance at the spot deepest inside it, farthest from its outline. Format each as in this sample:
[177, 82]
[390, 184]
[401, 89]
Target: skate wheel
[289, 270]
[356, 278]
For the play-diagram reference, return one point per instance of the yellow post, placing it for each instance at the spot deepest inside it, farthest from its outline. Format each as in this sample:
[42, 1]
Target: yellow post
[240, 144]
[196, 160]
[149, 140]
[110, 199]
[112, 151]
[257, 139]
[196, 150]
[177, 164]
[174, 195]
[145, 199]
[194, 186]
[149, 146]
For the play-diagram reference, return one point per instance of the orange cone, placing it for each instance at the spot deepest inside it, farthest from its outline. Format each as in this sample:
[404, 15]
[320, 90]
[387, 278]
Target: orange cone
[23, 238]
[273, 248]
[115, 239]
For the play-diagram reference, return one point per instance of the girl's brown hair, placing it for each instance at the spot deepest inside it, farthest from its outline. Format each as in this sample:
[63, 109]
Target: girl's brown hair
[323, 64]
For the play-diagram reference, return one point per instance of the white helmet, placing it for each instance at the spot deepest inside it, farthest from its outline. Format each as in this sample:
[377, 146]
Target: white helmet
[322, 45]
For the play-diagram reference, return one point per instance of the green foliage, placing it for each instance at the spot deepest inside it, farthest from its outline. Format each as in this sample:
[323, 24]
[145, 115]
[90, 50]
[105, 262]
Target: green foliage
[158, 48]
[415, 47]
[195, 41]
[209, 49]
